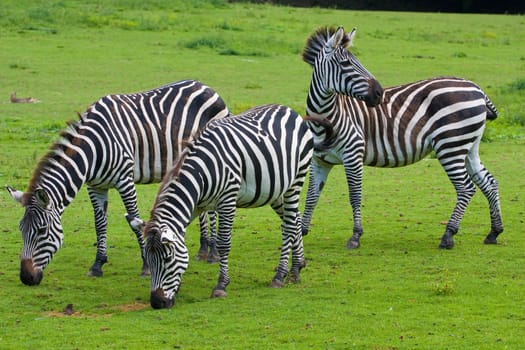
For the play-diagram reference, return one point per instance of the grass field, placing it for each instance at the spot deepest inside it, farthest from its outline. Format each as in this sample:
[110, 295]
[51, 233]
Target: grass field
[398, 291]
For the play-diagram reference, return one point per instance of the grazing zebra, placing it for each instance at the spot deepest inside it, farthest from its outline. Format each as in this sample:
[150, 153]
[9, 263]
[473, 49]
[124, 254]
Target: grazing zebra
[446, 115]
[119, 141]
[257, 158]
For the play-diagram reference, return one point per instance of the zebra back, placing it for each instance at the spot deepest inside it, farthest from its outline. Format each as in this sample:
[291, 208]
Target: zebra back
[155, 126]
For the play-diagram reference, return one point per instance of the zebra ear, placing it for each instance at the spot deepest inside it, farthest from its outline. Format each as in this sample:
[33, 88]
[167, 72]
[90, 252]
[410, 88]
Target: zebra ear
[135, 223]
[42, 199]
[350, 36]
[335, 40]
[15, 194]
[167, 236]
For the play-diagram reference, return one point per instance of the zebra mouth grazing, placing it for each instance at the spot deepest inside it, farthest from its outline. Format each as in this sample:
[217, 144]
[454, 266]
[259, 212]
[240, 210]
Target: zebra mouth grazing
[159, 301]
[28, 274]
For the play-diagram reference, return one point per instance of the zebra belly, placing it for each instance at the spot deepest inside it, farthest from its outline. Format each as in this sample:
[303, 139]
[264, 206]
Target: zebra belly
[330, 157]
[394, 159]
[249, 197]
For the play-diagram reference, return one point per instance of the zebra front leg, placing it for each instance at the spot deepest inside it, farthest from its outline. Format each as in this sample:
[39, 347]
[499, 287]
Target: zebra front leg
[318, 175]
[208, 245]
[223, 247]
[354, 179]
[288, 237]
[128, 194]
[202, 254]
[99, 201]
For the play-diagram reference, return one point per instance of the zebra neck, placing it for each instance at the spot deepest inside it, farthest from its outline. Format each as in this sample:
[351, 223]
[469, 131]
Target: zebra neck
[180, 197]
[320, 103]
[61, 185]
[61, 172]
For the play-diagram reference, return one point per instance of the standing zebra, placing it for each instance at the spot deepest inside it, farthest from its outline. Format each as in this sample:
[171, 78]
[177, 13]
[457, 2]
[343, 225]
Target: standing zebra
[257, 158]
[119, 141]
[446, 115]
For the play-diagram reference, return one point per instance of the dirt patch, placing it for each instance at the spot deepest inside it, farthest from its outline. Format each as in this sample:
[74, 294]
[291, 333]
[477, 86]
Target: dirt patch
[136, 306]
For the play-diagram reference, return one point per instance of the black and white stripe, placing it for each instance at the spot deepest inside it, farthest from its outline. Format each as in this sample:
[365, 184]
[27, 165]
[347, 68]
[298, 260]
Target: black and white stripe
[257, 158]
[445, 115]
[119, 141]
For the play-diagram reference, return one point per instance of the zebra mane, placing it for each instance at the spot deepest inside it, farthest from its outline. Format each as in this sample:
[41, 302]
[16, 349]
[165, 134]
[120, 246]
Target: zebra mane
[52, 155]
[172, 174]
[316, 42]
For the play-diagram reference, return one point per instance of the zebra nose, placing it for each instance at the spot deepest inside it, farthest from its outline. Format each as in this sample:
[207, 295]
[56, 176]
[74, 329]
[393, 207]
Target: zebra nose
[159, 301]
[375, 92]
[28, 274]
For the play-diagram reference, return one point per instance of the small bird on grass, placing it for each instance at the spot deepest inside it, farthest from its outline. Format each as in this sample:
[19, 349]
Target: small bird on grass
[68, 310]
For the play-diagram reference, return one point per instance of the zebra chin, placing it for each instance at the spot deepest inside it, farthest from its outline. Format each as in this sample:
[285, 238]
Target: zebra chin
[29, 275]
[159, 301]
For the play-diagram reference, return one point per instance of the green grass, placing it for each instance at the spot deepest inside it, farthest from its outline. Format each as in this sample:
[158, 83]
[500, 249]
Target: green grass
[398, 291]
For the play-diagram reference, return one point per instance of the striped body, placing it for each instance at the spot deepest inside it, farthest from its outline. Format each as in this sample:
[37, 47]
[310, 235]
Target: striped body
[257, 158]
[445, 115]
[119, 141]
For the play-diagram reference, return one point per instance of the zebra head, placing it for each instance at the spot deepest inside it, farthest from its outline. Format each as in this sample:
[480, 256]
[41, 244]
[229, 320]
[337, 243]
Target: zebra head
[336, 69]
[168, 259]
[42, 233]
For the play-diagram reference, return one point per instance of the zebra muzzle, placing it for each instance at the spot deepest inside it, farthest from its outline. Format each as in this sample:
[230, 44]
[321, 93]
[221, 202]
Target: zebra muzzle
[159, 301]
[29, 275]
[375, 93]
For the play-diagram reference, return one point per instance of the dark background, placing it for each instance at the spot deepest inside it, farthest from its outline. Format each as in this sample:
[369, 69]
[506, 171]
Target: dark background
[458, 6]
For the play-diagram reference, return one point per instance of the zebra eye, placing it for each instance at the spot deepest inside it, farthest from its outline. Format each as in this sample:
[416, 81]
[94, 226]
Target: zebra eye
[169, 254]
[42, 230]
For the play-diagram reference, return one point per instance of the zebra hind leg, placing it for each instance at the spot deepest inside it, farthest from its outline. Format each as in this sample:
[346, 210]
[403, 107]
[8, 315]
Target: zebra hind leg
[465, 189]
[298, 260]
[489, 186]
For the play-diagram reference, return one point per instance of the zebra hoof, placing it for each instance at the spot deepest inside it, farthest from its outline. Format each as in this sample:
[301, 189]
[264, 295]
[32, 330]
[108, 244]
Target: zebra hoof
[212, 258]
[294, 278]
[202, 256]
[218, 293]
[446, 243]
[490, 240]
[277, 284]
[352, 244]
[95, 272]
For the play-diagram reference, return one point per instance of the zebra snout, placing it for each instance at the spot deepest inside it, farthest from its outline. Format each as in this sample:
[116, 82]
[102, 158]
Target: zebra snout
[375, 93]
[159, 301]
[28, 274]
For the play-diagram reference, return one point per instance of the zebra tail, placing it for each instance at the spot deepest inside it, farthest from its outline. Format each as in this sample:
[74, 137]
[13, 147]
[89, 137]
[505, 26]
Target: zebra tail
[492, 111]
[330, 136]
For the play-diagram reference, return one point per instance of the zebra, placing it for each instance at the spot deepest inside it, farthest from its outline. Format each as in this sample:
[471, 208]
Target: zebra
[121, 140]
[446, 115]
[250, 160]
